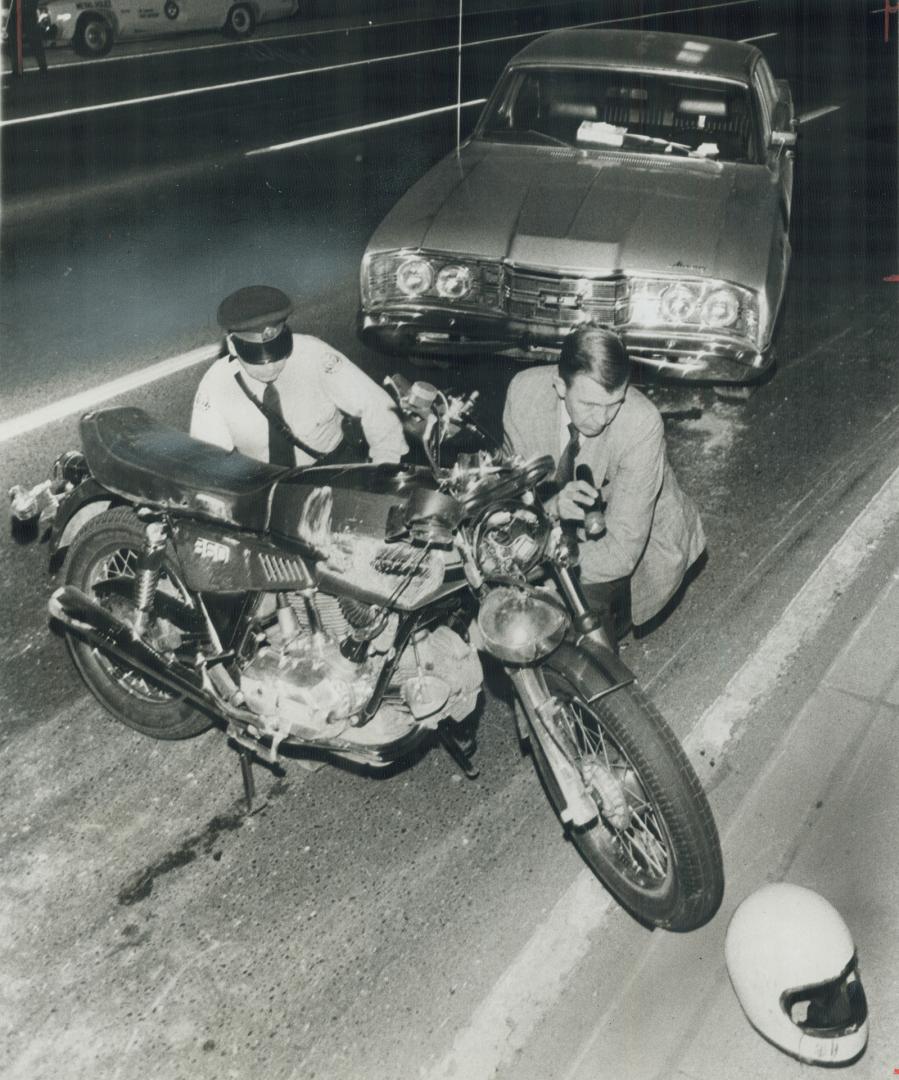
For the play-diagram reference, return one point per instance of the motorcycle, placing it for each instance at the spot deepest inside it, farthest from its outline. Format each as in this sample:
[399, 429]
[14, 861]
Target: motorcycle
[341, 609]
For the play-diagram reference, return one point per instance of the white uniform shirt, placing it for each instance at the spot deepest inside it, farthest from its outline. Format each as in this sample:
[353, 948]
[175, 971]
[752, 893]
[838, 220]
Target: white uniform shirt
[317, 384]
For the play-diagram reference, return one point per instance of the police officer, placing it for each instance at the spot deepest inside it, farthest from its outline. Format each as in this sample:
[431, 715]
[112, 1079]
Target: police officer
[282, 397]
[32, 35]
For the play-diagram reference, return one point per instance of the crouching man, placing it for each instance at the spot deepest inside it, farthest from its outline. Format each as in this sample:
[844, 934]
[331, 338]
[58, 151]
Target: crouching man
[584, 413]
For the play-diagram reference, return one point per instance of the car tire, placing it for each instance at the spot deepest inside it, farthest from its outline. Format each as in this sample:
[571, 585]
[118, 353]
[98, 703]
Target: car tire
[241, 22]
[93, 37]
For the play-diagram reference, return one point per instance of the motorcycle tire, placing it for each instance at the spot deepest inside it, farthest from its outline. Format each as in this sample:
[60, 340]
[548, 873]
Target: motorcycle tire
[665, 867]
[107, 547]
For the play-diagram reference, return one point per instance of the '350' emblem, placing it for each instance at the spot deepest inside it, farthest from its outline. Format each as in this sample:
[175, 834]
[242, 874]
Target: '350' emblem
[209, 549]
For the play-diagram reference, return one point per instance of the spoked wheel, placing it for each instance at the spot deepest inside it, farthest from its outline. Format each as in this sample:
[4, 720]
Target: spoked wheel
[101, 563]
[653, 843]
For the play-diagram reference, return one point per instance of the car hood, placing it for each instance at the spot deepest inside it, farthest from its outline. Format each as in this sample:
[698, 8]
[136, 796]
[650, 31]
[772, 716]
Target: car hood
[592, 212]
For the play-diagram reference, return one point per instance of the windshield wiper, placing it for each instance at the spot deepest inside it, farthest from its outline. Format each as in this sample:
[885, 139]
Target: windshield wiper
[602, 134]
[652, 140]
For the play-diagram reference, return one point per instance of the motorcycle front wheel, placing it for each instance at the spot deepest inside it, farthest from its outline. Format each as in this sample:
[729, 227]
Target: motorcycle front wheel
[653, 843]
[107, 550]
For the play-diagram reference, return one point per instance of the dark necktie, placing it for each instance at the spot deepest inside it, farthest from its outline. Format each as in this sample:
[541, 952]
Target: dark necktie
[280, 448]
[565, 469]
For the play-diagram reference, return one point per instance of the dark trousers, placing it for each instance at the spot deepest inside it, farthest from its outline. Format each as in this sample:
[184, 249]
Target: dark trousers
[611, 599]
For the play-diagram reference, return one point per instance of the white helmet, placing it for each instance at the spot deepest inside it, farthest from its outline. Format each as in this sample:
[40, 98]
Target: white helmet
[793, 966]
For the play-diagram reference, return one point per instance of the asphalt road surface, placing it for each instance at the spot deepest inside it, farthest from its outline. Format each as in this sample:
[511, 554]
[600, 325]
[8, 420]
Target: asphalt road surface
[352, 925]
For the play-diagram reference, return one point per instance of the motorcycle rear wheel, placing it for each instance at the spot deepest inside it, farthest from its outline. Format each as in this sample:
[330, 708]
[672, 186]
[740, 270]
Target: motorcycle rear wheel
[665, 867]
[106, 548]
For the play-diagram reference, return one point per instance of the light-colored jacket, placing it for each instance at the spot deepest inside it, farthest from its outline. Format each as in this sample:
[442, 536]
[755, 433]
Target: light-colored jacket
[653, 530]
[317, 384]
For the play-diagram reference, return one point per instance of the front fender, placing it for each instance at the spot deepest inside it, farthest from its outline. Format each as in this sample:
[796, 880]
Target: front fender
[581, 656]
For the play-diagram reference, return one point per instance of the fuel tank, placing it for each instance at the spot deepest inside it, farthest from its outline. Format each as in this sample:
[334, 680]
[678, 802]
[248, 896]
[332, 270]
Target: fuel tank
[360, 524]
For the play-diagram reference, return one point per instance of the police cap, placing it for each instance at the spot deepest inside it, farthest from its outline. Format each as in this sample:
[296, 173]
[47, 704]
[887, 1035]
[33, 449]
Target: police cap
[256, 318]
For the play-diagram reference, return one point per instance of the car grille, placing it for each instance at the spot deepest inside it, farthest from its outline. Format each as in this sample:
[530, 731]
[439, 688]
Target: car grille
[565, 300]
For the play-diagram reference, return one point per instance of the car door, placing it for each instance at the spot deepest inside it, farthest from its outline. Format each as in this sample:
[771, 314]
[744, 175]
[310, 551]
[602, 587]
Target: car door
[776, 114]
[203, 14]
[141, 18]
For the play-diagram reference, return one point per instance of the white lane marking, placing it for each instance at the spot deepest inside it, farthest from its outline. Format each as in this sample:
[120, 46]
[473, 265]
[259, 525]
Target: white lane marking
[504, 1021]
[723, 723]
[758, 37]
[89, 399]
[216, 87]
[363, 127]
[816, 113]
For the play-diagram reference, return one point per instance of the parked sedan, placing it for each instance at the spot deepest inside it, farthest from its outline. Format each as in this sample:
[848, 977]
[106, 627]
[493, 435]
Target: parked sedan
[92, 26]
[638, 180]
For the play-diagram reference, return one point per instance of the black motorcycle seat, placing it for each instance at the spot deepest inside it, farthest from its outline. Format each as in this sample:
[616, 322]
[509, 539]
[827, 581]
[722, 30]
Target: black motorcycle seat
[148, 462]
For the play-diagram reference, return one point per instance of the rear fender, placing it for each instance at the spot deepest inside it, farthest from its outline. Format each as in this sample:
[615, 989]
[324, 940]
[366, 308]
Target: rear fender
[80, 505]
[106, 14]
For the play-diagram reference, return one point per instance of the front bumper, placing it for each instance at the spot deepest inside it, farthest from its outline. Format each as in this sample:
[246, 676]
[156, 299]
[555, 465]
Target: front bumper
[693, 356]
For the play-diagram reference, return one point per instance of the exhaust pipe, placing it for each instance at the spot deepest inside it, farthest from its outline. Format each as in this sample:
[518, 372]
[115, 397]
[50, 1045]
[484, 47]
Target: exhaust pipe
[84, 617]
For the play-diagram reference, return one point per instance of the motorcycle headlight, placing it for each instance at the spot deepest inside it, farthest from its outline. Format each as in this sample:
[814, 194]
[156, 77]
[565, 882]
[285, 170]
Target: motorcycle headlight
[521, 625]
[454, 282]
[720, 308]
[678, 303]
[414, 276]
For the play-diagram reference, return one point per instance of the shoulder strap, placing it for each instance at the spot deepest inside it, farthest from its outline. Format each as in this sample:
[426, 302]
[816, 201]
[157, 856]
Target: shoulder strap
[278, 421]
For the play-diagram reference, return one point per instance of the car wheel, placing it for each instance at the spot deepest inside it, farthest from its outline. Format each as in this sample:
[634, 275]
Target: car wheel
[241, 21]
[93, 37]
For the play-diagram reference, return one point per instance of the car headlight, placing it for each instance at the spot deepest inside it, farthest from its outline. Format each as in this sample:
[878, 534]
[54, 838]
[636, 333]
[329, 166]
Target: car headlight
[720, 308]
[454, 281]
[694, 305]
[678, 302]
[432, 277]
[414, 277]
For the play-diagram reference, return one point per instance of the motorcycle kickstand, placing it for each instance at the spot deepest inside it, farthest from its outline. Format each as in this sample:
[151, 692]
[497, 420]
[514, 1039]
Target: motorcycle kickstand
[451, 744]
[246, 771]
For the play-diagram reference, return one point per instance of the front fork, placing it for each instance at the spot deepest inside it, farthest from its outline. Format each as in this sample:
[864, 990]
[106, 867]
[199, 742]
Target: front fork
[541, 706]
[597, 626]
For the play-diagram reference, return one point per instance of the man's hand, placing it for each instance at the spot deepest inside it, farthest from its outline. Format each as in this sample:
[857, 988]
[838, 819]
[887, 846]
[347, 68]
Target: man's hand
[573, 498]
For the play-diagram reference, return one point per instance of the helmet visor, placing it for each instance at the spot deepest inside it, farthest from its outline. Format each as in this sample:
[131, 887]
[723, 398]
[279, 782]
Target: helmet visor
[264, 352]
[830, 1009]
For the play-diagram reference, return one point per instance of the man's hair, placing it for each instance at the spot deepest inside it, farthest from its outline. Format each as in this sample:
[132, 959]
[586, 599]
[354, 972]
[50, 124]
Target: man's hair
[597, 352]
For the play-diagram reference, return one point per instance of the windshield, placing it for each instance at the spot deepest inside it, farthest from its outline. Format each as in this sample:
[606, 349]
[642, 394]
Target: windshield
[632, 111]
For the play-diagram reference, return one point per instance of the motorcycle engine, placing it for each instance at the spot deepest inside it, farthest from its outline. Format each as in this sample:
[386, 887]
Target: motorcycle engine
[301, 684]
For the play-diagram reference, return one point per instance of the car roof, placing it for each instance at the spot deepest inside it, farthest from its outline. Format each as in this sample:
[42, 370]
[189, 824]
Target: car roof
[637, 50]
